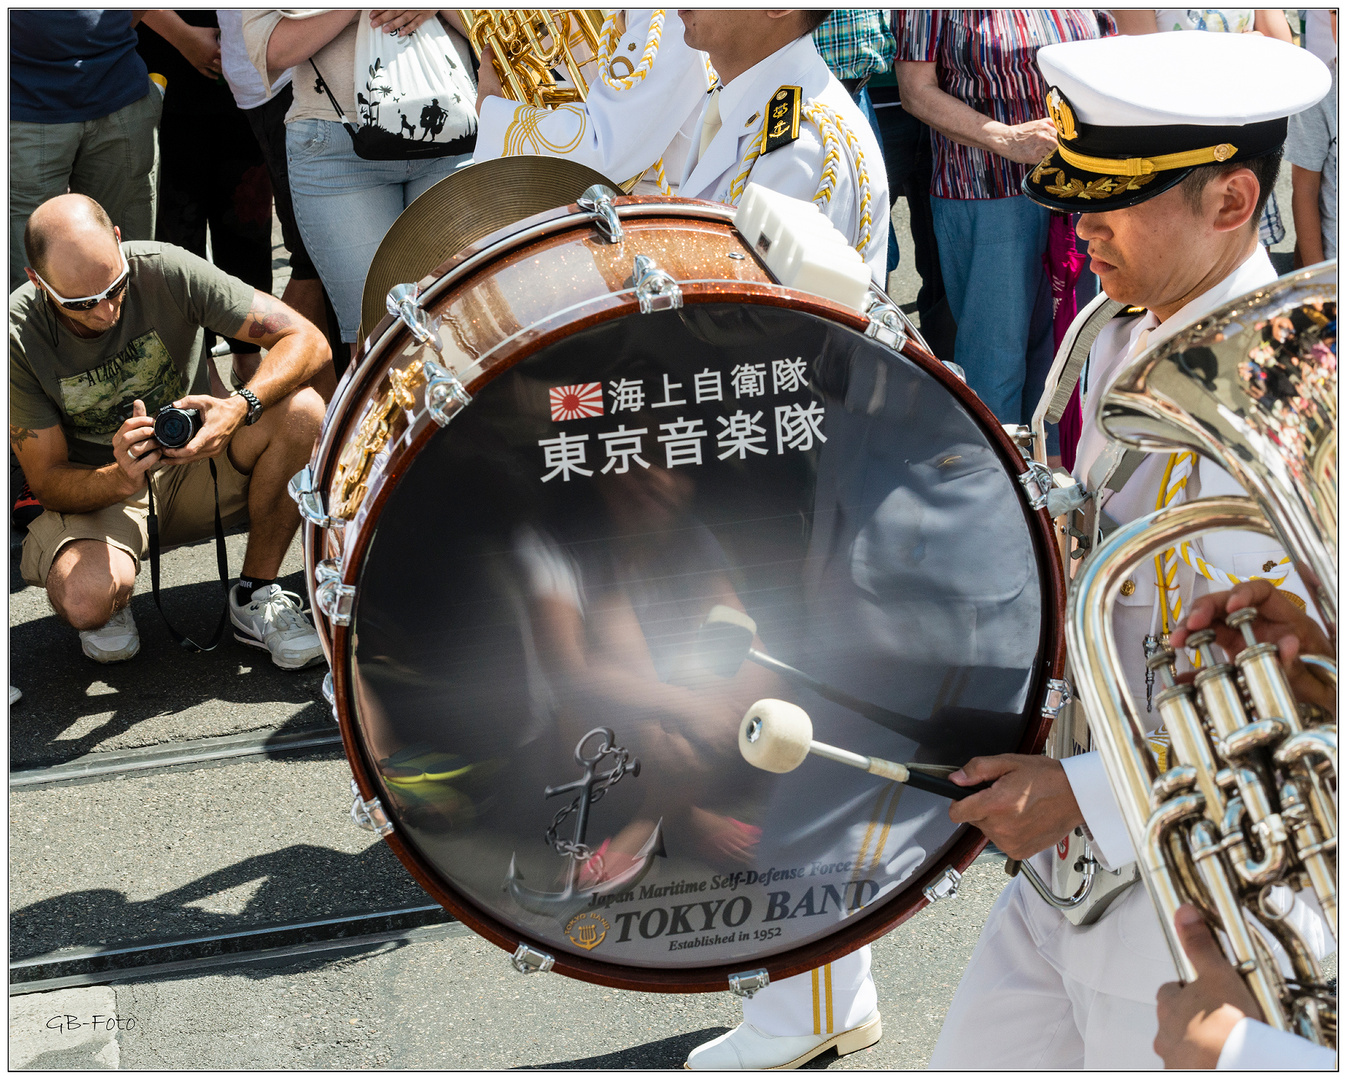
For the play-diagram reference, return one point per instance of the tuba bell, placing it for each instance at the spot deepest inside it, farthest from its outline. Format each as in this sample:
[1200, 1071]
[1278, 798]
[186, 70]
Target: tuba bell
[1249, 799]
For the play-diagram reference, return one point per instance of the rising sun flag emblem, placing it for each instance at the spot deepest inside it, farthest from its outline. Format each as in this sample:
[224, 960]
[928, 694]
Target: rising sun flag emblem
[576, 402]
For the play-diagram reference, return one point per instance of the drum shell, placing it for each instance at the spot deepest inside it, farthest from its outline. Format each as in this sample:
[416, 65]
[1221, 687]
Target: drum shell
[696, 244]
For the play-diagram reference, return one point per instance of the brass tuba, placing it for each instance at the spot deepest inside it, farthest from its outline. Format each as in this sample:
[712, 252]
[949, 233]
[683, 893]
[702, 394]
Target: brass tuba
[529, 45]
[1249, 801]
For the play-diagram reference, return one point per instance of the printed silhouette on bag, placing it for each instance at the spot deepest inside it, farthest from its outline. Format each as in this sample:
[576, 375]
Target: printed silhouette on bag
[432, 119]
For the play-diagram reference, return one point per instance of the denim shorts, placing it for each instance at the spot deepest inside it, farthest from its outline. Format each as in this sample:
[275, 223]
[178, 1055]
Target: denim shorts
[344, 205]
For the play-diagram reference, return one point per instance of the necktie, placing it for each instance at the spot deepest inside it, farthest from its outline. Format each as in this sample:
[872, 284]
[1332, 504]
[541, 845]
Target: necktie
[710, 123]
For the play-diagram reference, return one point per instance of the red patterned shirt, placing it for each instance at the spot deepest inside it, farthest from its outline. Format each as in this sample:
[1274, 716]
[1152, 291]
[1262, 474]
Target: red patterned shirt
[986, 60]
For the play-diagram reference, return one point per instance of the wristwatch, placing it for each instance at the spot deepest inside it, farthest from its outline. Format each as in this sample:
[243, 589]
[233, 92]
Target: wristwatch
[254, 406]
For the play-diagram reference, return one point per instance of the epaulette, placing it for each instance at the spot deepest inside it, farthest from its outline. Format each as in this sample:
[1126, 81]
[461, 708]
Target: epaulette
[783, 119]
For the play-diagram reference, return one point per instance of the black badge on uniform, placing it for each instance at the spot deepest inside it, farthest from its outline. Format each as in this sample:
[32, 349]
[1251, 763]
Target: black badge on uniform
[783, 119]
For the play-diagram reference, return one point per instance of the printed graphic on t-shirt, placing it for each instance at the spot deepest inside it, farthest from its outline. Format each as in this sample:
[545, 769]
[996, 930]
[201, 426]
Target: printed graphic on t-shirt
[98, 401]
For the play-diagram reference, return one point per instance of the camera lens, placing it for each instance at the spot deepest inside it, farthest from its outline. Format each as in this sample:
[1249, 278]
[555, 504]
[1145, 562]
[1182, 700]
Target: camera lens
[174, 428]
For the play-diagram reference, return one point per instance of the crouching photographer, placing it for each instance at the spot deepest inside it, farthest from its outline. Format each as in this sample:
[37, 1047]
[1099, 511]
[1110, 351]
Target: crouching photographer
[103, 337]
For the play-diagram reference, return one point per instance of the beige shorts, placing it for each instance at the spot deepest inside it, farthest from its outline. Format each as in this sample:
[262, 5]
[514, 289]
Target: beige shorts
[184, 500]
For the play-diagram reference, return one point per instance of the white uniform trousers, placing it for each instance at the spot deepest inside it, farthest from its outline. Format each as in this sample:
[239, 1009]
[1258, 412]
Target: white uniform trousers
[833, 998]
[1019, 1005]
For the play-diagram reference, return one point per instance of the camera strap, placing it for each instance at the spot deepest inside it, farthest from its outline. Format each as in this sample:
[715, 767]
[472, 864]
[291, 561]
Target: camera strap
[221, 557]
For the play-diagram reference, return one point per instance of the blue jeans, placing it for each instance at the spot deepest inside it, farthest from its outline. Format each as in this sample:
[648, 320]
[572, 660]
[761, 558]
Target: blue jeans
[344, 205]
[991, 259]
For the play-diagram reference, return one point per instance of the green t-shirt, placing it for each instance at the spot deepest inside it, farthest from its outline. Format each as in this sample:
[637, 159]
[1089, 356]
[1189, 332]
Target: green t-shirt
[155, 353]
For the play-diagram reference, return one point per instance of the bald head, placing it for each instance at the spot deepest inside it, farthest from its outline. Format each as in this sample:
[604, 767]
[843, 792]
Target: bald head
[69, 231]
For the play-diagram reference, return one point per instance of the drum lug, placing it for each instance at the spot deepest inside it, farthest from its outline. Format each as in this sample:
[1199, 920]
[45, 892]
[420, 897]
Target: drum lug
[956, 370]
[1055, 490]
[945, 887]
[1019, 434]
[330, 694]
[886, 325]
[597, 201]
[655, 289]
[404, 304]
[334, 599]
[369, 813]
[1056, 697]
[309, 499]
[445, 394]
[530, 961]
[745, 984]
[1037, 483]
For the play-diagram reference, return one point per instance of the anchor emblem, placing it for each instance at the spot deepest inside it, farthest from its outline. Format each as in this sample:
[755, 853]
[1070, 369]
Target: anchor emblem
[591, 787]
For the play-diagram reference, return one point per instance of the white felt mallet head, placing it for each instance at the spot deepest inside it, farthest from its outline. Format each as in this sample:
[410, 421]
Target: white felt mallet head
[775, 735]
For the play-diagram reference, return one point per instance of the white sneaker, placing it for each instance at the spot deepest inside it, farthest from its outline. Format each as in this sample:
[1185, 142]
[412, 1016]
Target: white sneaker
[114, 641]
[274, 620]
[14, 694]
[748, 1048]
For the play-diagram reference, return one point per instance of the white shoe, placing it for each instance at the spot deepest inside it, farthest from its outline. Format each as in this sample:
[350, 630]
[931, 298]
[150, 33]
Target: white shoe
[114, 641]
[274, 620]
[748, 1048]
[14, 694]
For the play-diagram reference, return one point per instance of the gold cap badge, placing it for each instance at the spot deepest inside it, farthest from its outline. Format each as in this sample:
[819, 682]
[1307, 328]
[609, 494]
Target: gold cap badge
[1063, 119]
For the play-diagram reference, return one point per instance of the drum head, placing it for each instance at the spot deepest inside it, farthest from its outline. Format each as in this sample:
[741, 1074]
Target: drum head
[629, 537]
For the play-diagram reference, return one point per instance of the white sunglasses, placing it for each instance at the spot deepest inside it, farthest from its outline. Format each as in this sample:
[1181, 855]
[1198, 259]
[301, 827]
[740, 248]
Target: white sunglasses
[88, 303]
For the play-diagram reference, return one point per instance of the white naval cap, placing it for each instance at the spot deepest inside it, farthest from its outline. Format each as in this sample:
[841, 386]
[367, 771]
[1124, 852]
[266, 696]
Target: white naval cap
[1136, 113]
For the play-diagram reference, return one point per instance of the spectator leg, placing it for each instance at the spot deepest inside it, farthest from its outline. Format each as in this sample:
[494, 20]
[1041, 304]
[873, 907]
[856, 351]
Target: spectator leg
[88, 581]
[343, 205]
[304, 291]
[991, 258]
[117, 165]
[40, 159]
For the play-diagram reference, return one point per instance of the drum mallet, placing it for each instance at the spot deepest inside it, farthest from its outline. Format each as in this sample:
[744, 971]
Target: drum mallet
[777, 736]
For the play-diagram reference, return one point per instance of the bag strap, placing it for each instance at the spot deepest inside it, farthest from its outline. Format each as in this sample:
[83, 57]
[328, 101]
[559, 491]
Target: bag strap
[322, 85]
[221, 557]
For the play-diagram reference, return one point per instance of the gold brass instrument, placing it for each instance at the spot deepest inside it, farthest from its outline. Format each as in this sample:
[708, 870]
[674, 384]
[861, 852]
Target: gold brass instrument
[1249, 802]
[528, 45]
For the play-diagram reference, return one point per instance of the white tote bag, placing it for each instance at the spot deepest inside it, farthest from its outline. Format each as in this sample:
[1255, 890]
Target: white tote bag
[414, 94]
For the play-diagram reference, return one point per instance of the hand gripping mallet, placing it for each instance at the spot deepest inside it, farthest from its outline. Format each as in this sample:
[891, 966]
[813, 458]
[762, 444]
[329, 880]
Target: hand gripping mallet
[777, 736]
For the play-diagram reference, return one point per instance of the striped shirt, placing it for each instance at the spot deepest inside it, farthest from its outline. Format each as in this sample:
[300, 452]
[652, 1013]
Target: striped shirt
[855, 42]
[986, 60]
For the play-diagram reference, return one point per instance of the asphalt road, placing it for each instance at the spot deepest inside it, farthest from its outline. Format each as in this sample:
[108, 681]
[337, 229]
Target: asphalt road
[266, 840]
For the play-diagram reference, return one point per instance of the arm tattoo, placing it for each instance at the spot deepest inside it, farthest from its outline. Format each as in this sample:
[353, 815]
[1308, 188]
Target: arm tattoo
[265, 318]
[20, 435]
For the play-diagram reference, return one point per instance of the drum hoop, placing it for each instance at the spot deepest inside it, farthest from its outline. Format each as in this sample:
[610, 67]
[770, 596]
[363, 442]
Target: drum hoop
[963, 847]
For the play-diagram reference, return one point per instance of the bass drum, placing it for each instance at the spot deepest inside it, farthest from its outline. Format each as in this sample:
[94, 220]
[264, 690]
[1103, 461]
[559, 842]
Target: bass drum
[558, 558]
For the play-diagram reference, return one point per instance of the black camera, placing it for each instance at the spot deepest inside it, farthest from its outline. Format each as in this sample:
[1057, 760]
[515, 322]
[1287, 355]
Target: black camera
[175, 428]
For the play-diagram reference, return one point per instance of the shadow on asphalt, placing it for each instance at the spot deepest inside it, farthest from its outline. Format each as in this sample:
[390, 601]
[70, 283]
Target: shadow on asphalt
[297, 883]
[663, 1054]
[47, 664]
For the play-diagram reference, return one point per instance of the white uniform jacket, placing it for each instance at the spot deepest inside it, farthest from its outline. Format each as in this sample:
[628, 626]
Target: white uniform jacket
[795, 169]
[619, 131]
[1124, 953]
[1135, 615]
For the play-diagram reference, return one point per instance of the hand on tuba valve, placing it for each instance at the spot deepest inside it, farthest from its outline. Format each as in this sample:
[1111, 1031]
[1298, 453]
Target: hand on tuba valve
[1280, 622]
